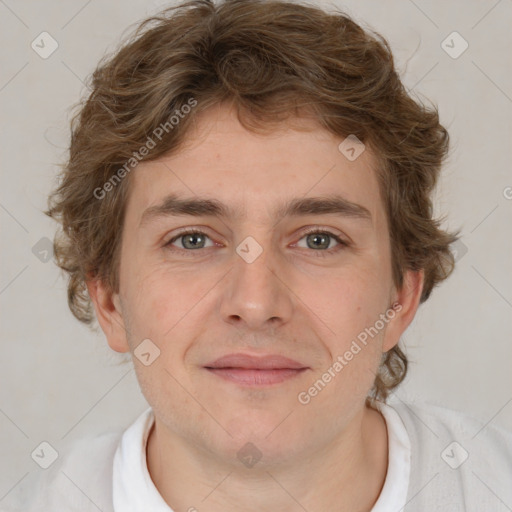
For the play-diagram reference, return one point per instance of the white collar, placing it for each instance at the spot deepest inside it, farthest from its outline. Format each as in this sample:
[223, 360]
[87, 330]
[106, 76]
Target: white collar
[393, 496]
[133, 490]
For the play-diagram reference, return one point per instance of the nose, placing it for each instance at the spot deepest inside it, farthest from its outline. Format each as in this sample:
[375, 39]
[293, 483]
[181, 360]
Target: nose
[256, 295]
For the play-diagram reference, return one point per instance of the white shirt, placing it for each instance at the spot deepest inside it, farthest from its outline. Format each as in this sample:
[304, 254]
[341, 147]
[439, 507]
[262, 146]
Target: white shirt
[438, 459]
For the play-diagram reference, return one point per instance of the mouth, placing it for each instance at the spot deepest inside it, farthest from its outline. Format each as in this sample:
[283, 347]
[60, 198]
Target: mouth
[248, 370]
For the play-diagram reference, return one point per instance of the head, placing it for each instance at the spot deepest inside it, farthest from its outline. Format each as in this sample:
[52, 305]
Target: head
[252, 107]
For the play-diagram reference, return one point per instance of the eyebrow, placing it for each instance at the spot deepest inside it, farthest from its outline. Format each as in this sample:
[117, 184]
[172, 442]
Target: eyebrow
[173, 205]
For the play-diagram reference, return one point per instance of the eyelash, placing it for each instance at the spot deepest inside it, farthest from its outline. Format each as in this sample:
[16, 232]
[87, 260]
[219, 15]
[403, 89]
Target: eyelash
[316, 230]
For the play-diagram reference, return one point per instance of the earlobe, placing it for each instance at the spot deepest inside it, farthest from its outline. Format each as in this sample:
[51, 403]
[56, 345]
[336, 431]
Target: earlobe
[109, 314]
[408, 298]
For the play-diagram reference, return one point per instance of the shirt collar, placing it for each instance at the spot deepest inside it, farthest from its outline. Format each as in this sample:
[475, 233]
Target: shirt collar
[133, 490]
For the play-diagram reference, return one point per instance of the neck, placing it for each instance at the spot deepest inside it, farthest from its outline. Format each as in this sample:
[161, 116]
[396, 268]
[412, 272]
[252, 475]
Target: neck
[347, 473]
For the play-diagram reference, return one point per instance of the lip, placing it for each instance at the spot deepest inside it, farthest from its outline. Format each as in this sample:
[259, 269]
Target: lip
[251, 362]
[249, 370]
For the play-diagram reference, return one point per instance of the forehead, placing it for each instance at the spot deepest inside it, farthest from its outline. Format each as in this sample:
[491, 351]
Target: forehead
[247, 175]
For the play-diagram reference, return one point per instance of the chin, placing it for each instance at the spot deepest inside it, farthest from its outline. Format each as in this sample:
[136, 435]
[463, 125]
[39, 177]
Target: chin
[268, 441]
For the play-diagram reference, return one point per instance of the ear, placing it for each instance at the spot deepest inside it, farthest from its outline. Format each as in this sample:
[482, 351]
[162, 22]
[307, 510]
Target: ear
[109, 314]
[407, 300]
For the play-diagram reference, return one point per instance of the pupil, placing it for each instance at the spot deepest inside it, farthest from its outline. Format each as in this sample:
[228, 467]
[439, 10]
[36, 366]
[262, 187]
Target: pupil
[318, 238]
[190, 240]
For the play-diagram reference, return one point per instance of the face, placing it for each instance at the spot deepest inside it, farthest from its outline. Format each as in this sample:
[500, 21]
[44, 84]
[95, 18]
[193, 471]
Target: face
[286, 254]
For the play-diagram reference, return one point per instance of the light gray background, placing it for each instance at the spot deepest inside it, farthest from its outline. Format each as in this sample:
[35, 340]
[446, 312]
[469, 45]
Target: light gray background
[59, 381]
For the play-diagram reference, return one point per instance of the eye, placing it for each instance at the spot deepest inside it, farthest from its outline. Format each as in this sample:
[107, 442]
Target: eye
[321, 241]
[193, 239]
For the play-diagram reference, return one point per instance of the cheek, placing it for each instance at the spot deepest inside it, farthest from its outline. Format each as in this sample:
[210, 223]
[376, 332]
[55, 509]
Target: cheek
[348, 306]
[164, 303]
[162, 309]
[156, 302]
[347, 301]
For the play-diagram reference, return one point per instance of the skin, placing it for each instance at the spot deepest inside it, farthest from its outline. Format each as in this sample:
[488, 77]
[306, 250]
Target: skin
[330, 454]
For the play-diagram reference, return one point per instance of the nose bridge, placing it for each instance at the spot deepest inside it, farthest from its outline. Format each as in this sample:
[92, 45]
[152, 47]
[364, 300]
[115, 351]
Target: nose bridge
[255, 294]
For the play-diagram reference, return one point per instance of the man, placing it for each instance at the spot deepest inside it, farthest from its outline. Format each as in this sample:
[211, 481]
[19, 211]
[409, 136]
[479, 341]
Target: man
[247, 207]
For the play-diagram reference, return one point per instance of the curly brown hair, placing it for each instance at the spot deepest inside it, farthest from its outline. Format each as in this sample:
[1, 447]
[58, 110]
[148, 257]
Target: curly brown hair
[271, 59]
